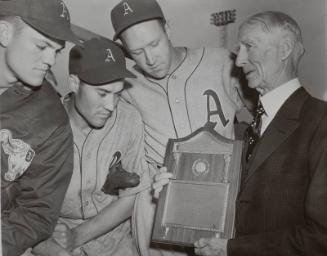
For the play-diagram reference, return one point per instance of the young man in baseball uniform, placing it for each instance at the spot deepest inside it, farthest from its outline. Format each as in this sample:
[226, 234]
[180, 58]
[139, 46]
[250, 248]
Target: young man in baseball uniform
[36, 143]
[177, 90]
[108, 137]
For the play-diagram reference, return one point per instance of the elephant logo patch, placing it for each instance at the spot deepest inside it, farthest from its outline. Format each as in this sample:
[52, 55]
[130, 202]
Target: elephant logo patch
[20, 155]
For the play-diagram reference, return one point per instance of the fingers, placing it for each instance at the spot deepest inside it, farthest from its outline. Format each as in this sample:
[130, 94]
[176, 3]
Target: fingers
[211, 246]
[163, 169]
[200, 246]
[201, 242]
[61, 227]
[162, 174]
[61, 234]
[161, 179]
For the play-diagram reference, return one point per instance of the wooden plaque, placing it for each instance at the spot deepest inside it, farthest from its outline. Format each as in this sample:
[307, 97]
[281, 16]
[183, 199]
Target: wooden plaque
[200, 199]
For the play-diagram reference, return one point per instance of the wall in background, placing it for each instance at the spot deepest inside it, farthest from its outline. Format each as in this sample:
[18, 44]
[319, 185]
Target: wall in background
[190, 25]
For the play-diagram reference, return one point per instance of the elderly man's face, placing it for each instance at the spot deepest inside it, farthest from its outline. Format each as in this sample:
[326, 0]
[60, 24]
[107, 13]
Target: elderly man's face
[29, 55]
[259, 57]
[149, 46]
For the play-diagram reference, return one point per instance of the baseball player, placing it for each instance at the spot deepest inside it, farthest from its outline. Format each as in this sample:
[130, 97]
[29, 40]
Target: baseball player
[177, 89]
[36, 144]
[107, 132]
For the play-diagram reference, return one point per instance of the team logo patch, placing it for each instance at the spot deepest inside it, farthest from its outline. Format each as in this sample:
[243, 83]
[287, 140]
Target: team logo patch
[20, 155]
[64, 11]
[115, 159]
[219, 109]
[127, 8]
[110, 57]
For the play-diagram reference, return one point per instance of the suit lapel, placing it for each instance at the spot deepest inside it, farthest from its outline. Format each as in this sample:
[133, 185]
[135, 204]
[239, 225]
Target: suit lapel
[281, 127]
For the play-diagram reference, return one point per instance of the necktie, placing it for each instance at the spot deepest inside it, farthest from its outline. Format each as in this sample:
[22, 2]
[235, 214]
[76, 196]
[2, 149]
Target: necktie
[253, 130]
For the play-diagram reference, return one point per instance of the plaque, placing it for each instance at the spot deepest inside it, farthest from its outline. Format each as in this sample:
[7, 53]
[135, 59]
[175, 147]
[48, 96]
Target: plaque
[200, 199]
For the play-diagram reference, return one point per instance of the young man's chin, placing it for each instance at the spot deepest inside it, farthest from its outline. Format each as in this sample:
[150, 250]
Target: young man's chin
[158, 75]
[99, 123]
[34, 82]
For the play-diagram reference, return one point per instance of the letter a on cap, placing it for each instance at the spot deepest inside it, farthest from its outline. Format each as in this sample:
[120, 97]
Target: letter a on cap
[127, 8]
[64, 12]
[110, 56]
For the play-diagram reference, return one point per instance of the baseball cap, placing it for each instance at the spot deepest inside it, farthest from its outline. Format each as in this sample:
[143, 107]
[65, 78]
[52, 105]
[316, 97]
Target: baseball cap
[50, 17]
[130, 12]
[98, 61]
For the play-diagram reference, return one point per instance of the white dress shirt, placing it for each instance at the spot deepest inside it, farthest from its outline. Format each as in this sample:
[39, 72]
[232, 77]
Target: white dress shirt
[273, 101]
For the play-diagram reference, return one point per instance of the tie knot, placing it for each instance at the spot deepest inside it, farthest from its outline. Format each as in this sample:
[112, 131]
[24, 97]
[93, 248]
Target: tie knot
[260, 110]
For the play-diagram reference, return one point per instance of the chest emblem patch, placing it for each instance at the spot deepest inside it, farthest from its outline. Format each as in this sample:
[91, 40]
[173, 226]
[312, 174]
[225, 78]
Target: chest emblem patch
[20, 155]
[115, 159]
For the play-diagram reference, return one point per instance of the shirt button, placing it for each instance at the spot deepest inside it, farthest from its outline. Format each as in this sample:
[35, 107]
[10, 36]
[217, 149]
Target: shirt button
[87, 203]
[173, 76]
[177, 101]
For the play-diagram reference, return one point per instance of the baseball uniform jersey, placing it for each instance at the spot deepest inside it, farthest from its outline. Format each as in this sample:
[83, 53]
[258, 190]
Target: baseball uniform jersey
[177, 105]
[202, 88]
[121, 139]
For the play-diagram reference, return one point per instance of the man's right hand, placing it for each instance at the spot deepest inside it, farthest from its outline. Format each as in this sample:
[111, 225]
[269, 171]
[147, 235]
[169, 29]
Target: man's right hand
[160, 179]
[64, 236]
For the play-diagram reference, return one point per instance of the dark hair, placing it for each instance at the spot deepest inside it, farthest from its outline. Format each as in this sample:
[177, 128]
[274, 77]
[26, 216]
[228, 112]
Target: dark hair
[74, 61]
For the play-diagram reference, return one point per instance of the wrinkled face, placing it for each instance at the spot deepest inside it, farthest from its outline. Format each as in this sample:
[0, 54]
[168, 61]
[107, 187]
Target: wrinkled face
[96, 103]
[29, 55]
[149, 46]
[258, 55]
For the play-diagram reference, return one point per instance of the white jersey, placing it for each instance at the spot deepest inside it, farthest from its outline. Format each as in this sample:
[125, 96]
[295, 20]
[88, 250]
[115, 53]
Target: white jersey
[201, 89]
[177, 105]
[120, 139]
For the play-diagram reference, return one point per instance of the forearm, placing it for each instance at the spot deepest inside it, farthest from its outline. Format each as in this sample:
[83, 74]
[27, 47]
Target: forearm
[22, 229]
[49, 247]
[107, 219]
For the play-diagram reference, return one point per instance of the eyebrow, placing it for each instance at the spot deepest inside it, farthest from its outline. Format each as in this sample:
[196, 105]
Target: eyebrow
[53, 46]
[108, 91]
[103, 90]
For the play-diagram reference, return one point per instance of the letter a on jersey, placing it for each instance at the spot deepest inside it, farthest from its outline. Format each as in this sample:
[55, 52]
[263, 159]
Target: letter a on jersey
[127, 9]
[218, 111]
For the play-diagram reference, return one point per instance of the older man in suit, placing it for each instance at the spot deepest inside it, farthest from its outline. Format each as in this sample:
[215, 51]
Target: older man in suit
[281, 208]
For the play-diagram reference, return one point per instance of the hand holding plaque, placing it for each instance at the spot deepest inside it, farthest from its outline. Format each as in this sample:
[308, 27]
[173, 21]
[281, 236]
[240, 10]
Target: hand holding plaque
[199, 201]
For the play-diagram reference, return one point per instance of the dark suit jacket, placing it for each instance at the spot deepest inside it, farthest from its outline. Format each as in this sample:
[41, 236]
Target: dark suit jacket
[282, 204]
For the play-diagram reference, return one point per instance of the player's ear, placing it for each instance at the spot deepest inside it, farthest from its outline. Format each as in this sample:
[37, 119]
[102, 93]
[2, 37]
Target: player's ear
[6, 32]
[286, 46]
[167, 29]
[73, 83]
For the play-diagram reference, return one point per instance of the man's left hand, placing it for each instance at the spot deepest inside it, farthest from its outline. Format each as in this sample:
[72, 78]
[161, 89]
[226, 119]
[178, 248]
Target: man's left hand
[211, 247]
[64, 236]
